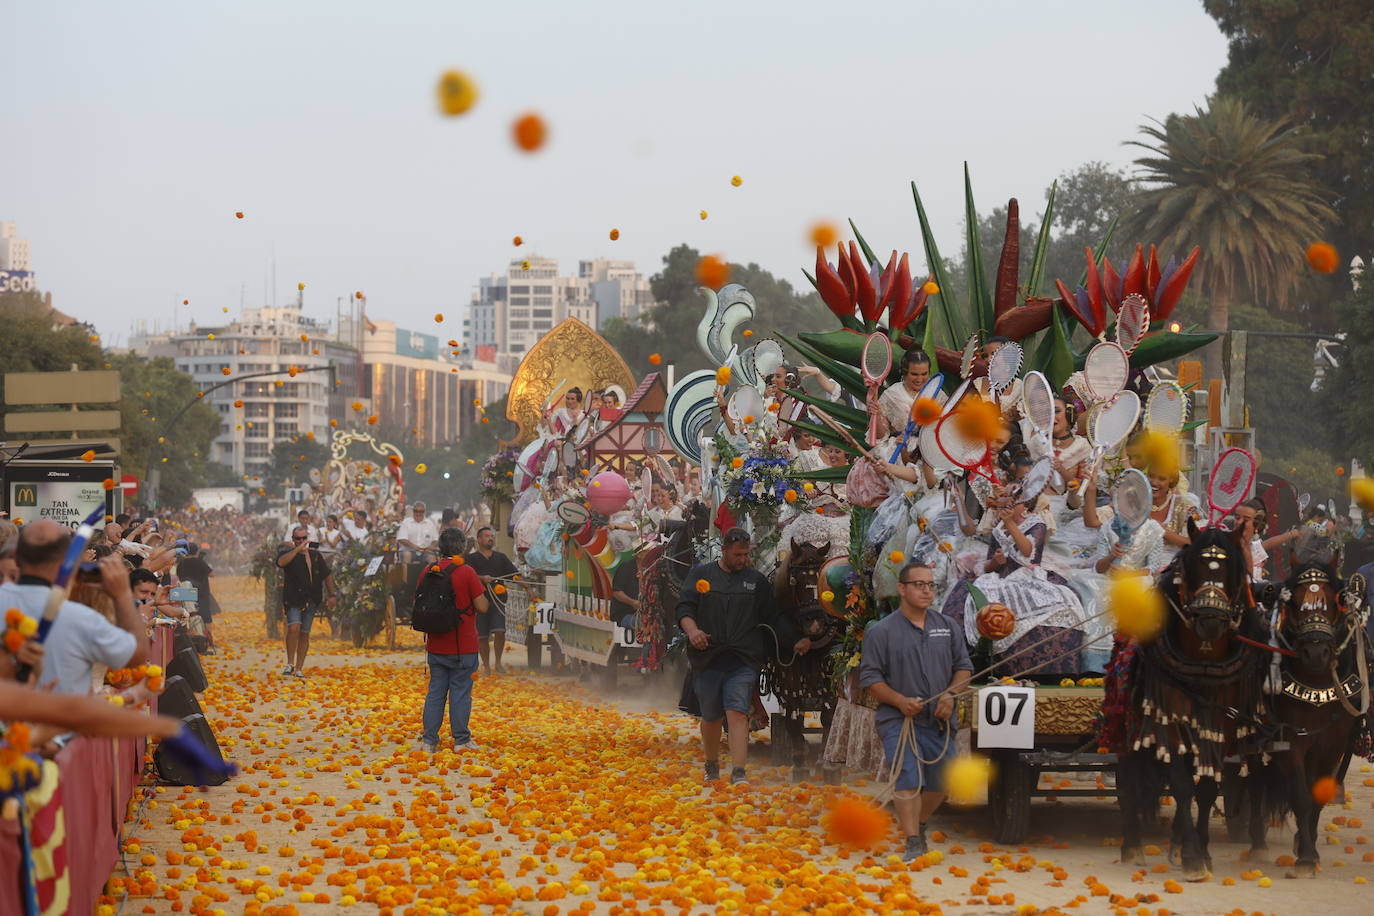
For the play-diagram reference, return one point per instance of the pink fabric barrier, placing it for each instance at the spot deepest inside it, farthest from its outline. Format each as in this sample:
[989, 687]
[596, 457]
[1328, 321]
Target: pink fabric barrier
[96, 780]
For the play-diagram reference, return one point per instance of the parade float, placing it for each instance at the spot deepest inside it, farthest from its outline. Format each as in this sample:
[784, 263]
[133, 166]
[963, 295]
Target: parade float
[833, 540]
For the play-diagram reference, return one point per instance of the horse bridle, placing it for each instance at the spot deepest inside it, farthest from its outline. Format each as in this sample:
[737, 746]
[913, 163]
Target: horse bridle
[1211, 595]
[1314, 625]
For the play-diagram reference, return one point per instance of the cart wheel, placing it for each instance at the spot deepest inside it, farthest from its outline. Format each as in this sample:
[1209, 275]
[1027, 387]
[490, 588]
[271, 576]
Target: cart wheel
[1009, 798]
[390, 623]
[779, 742]
[534, 651]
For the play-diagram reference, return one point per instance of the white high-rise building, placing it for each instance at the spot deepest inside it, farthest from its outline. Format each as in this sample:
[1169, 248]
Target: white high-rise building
[14, 251]
[620, 291]
[257, 413]
[510, 311]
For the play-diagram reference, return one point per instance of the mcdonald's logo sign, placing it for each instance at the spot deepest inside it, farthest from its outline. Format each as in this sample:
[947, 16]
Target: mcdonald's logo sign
[26, 495]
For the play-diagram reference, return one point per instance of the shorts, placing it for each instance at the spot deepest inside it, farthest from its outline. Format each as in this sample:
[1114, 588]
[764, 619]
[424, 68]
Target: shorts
[302, 617]
[493, 621]
[916, 775]
[719, 689]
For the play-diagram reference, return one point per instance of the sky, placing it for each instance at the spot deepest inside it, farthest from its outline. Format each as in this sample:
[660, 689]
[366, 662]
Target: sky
[134, 131]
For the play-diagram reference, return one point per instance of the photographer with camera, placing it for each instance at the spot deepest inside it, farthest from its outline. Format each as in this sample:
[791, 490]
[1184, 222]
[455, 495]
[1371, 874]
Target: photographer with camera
[305, 576]
[80, 637]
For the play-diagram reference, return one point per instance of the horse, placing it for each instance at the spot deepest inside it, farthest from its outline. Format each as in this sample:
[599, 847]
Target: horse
[804, 683]
[1196, 696]
[661, 571]
[1321, 697]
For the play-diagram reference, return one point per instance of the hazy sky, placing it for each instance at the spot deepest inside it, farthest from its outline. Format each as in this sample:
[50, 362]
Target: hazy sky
[134, 130]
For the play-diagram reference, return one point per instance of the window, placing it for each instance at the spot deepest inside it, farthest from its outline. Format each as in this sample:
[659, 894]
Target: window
[543, 313]
[288, 410]
[256, 449]
[543, 289]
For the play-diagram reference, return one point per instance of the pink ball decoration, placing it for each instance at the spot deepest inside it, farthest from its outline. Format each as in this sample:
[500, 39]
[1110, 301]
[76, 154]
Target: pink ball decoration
[608, 492]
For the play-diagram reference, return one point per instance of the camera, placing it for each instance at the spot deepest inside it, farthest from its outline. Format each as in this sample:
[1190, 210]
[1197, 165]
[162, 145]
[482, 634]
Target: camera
[314, 545]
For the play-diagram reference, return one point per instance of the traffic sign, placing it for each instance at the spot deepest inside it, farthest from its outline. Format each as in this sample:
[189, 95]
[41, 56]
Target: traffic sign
[129, 484]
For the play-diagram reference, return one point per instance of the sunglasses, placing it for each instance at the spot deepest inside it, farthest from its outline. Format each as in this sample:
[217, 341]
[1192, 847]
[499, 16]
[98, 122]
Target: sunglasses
[298, 539]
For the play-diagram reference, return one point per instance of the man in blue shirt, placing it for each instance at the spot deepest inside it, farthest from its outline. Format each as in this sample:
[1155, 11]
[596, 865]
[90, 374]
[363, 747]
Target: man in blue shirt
[910, 655]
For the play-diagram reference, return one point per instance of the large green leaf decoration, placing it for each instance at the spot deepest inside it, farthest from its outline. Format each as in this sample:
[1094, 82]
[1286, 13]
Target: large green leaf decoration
[1042, 246]
[863, 244]
[1060, 362]
[1161, 348]
[823, 356]
[852, 417]
[980, 297]
[949, 327]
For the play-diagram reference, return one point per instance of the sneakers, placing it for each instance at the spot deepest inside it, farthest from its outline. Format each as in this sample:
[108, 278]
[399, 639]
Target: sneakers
[713, 771]
[737, 777]
[429, 748]
[288, 671]
[915, 847]
[298, 673]
[468, 745]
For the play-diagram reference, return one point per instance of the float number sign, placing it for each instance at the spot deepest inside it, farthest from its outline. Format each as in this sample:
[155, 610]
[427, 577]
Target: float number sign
[543, 618]
[1006, 717]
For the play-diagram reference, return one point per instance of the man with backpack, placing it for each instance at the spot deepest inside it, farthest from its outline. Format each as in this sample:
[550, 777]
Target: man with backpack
[447, 599]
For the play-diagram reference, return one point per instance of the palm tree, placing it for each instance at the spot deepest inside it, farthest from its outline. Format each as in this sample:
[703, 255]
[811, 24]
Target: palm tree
[1238, 186]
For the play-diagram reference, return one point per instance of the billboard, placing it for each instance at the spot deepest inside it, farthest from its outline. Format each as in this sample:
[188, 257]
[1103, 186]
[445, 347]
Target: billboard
[413, 343]
[63, 491]
[16, 281]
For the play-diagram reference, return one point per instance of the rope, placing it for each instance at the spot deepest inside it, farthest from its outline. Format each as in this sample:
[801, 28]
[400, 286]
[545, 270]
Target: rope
[906, 741]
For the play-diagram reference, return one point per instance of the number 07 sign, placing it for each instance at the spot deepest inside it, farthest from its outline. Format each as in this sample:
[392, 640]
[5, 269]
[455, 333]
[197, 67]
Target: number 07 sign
[1006, 717]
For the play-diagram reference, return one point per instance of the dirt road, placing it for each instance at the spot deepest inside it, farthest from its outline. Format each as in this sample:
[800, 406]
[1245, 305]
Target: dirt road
[579, 801]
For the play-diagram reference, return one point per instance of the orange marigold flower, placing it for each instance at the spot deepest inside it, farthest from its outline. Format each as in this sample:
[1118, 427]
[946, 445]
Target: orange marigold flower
[530, 132]
[655, 359]
[824, 234]
[712, 270]
[1322, 257]
[925, 411]
[856, 822]
[703, 586]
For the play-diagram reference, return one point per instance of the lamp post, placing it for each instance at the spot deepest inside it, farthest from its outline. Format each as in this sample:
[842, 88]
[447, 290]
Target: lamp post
[152, 473]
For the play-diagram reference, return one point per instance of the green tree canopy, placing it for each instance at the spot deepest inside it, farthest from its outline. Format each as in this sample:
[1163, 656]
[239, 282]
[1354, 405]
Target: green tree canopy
[152, 393]
[1238, 186]
[1313, 63]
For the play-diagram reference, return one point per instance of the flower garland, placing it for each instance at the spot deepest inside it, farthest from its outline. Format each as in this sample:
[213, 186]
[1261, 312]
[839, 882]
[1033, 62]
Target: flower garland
[498, 475]
[20, 769]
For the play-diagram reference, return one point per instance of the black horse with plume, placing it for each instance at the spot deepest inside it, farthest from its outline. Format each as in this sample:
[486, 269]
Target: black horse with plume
[802, 683]
[662, 568]
[1320, 704]
[1195, 696]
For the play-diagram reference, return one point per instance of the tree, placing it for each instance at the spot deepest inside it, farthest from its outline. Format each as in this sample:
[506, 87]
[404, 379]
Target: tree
[1312, 63]
[1348, 412]
[152, 391]
[1087, 201]
[670, 327]
[1238, 186]
[33, 341]
[292, 460]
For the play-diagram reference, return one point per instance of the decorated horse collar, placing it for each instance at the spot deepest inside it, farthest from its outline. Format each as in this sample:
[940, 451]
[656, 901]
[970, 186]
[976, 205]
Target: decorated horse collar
[1320, 696]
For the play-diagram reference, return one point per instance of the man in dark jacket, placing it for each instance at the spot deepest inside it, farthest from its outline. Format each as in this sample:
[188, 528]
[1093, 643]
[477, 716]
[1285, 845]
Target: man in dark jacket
[723, 609]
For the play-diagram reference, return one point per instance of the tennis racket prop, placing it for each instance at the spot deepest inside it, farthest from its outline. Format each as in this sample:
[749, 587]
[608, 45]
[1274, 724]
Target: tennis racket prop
[1132, 322]
[1106, 370]
[1166, 409]
[1230, 482]
[1131, 500]
[1109, 424]
[963, 451]
[1002, 369]
[875, 364]
[1037, 406]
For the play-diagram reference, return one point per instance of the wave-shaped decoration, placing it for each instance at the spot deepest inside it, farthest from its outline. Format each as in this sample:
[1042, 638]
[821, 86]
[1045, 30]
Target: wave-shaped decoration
[691, 404]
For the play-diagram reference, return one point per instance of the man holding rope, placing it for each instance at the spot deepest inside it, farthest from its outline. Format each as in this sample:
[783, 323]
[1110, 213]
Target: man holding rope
[912, 654]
